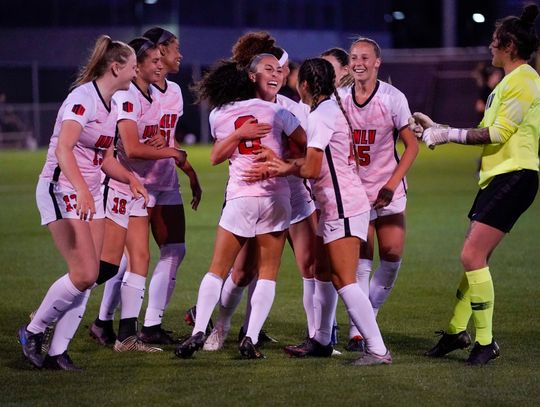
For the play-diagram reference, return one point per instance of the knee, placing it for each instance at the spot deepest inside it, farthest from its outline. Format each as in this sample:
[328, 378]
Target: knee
[174, 253]
[139, 260]
[391, 254]
[241, 277]
[470, 260]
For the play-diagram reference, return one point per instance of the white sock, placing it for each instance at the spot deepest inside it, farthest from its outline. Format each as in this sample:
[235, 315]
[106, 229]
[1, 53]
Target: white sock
[111, 293]
[360, 311]
[309, 292]
[363, 271]
[68, 324]
[58, 300]
[261, 303]
[209, 293]
[251, 289]
[231, 294]
[324, 304]
[132, 295]
[163, 282]
[382, 283]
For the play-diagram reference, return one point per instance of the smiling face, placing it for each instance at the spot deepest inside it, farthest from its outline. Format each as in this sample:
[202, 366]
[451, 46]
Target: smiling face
[364, 63]
[268, 78]
[171, 56]
[150, 69]
[340, 70]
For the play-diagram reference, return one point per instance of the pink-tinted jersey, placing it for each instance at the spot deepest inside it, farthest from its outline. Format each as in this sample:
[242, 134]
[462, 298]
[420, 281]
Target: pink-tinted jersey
[300, 110]
[338, 189]
[163, 174]
[225, 120]
[84, 105]
[145, 112]
[374, 123]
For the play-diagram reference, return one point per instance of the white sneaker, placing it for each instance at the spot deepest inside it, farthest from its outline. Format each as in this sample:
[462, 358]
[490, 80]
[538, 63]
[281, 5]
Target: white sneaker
[215, 340]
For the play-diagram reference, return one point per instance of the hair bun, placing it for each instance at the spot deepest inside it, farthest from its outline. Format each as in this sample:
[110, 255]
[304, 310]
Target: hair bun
[529, 14]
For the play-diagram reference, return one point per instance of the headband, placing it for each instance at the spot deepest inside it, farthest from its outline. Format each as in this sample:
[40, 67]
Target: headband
[283, 58]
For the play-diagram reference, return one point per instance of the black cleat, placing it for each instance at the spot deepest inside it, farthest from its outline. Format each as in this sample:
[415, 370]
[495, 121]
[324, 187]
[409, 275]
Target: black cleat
[156, 335]
[31, 346]
[249, 350]
[187, 348]
[60, 362]
[104, 334]
[449, 343]
[263, 336]
[356, 344]
[482, 354]
[310, 347]
[191, 316]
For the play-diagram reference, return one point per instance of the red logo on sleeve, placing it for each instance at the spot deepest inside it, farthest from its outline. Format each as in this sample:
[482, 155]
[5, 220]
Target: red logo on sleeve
[78, 110]
[127, 107]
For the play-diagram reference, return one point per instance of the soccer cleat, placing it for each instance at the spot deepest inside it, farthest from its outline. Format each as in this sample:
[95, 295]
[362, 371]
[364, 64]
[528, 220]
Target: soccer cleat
[60, 362]
[134, 344]
[187, 348]
[249, 350]
[47, 334]
[31, 346]
[215, 340]
[263, 336]
[156, 336]
[482, 354]
[191, 315]
[356, 344]
[105, 335]
[310, 347]
[449, 343]
[371, 359]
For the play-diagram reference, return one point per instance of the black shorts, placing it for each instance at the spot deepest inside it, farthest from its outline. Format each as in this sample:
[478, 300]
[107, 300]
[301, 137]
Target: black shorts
[505, 198]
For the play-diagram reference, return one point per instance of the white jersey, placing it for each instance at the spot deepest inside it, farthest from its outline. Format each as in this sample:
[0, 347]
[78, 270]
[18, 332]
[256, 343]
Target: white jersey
[225, 120]
[145, 111]
[374, 124]
[298, 186]
[84, 105]
[163, 172]
[338, 189]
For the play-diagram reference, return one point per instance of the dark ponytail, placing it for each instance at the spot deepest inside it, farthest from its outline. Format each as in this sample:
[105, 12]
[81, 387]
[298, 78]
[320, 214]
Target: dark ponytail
[519, 31]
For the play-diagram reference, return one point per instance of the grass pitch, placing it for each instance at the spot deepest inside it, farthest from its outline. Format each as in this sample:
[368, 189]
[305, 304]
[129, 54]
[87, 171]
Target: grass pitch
[442, 186]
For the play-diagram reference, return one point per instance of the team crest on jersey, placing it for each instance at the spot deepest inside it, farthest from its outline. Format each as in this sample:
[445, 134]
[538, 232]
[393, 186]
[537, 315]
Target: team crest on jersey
[78, 110]
[127, 107]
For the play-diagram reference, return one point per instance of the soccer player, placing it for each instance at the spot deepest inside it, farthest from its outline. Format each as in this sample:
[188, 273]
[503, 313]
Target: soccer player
[379, 116]
[127, 219]
[509, 133]
[344, 217]
[301, 233]
[69, 198]
[339, 58]
[259, 210]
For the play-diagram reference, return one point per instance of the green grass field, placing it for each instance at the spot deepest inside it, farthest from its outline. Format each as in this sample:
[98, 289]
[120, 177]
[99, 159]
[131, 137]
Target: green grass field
[442, 185]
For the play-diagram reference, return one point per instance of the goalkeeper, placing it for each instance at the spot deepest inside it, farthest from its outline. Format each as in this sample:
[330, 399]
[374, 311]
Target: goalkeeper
[509, 133]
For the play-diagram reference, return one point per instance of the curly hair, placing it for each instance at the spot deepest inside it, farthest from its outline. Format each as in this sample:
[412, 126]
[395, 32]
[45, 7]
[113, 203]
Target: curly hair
[254, 43]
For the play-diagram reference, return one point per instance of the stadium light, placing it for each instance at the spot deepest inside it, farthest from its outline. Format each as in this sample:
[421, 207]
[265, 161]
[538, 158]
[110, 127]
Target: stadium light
[398, 15]
[478, 18]
[150, 1]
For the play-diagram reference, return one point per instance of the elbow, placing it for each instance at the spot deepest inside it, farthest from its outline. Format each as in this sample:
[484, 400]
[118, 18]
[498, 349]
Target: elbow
[214, 160]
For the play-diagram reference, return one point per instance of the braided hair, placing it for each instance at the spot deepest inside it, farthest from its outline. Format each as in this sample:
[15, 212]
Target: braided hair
[520, 31]
[319, 75]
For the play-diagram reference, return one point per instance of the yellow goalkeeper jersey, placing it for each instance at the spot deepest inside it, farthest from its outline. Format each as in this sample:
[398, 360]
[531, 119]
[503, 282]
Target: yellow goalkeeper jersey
[513, 112]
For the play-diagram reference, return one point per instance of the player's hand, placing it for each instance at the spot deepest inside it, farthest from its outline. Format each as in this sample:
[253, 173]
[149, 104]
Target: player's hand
[257, 172]
[264, 153]
[250, 130]
[157, 141]
[415, 128]
[280, 168]
[86, 206]
[180, 158]
[423, 120]
[138, 190]
[384, 197]
[436, 135]
[196, 192]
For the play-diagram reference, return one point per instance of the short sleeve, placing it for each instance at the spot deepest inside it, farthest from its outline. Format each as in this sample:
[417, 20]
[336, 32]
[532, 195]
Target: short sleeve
[128, 106]
[289, 121]
[319, 131]
[400, 110]
[79, 107]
